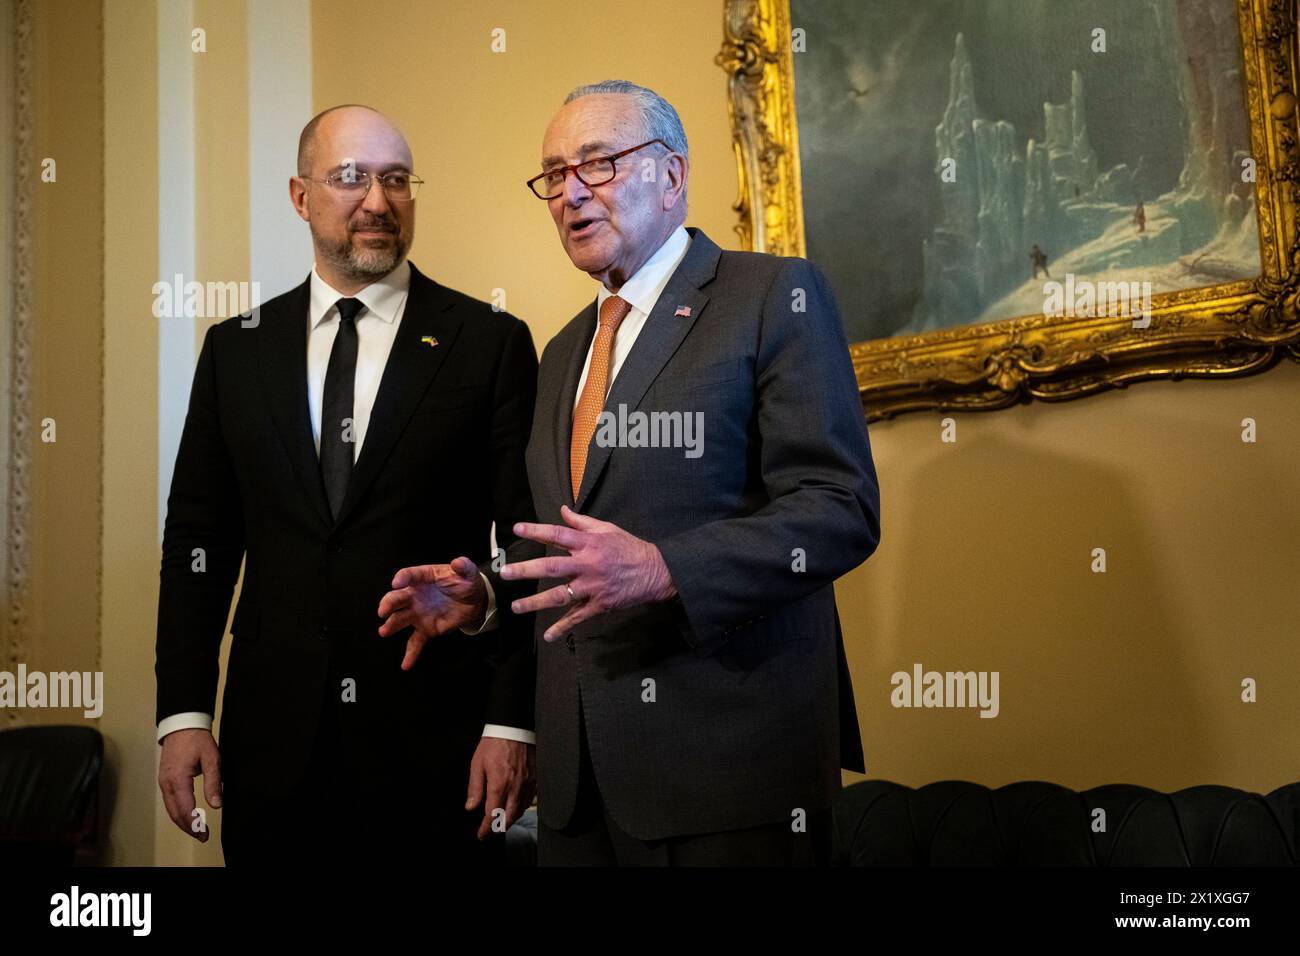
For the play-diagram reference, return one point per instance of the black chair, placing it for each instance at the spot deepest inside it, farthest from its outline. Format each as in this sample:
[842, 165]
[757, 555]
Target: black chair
[49, 795]
[1032, 823]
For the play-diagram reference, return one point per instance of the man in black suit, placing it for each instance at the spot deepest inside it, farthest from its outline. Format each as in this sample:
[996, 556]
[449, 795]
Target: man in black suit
[346, 429]
[700, 457]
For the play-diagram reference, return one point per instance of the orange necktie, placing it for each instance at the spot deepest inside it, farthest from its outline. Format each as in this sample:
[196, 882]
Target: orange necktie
[613, 311]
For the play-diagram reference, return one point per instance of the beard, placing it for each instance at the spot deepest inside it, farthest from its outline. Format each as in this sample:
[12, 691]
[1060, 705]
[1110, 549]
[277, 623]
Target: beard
[363, 263]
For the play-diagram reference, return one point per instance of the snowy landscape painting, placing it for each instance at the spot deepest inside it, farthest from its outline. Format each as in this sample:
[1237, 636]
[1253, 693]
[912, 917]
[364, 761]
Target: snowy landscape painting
[958, 157]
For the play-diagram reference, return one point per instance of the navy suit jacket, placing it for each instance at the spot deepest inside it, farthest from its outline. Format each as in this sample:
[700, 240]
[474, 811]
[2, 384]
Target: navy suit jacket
[730, 706]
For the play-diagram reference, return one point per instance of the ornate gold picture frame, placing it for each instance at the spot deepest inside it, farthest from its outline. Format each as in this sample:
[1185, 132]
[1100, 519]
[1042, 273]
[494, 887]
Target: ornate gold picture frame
[1230, 329]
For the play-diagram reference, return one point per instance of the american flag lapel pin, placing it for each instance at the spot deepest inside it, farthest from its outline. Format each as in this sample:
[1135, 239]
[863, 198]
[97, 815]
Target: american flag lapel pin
[684, 311]
[430, 341]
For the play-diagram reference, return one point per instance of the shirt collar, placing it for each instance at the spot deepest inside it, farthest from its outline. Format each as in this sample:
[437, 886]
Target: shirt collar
[383, 298]
[642, 291]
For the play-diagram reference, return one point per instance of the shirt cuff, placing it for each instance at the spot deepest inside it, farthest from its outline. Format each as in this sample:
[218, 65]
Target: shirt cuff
[510, 733]
[490, 621]
[190, 720]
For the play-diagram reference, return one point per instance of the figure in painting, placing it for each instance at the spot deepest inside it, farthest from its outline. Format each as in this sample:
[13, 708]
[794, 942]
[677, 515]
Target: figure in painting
[1039, 258]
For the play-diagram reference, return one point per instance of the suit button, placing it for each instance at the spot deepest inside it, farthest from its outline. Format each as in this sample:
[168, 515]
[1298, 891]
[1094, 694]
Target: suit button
[570, 643]
[324, 632]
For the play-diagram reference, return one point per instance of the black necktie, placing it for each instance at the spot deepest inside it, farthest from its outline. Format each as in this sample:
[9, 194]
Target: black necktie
[337, 431]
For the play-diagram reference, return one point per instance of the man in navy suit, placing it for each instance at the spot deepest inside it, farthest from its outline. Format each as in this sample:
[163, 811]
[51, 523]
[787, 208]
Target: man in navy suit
[693, 698]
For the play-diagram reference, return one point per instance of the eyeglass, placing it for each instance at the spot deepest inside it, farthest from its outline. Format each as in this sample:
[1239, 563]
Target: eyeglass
[354, 184]
[593, 172]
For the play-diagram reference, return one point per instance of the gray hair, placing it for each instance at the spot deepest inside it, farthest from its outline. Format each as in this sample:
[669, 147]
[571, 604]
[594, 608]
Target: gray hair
[661, 120]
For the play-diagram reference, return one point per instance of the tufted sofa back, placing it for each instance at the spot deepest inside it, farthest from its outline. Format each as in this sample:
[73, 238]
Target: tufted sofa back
[1033, 823]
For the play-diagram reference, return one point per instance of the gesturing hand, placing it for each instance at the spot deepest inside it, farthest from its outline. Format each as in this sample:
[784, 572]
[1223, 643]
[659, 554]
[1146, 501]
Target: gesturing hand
[607, 570]
[433, 599]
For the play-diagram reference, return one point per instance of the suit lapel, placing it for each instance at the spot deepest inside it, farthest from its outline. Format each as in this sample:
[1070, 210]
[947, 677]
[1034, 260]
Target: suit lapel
[412, 366]
[563, 423]
[658, 340]
[282, 363]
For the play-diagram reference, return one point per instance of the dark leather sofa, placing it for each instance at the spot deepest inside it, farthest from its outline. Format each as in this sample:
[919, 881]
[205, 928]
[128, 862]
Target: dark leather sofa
[49, 782]
[49, 795]
[1032, 823]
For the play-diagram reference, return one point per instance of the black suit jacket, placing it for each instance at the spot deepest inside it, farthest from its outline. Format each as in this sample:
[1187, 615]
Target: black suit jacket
[442, 458]
[753, 713]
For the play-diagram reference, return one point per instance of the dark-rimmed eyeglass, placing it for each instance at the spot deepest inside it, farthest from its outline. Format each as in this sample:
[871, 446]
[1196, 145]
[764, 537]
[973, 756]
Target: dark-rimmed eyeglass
[353, 185]
[592, 172]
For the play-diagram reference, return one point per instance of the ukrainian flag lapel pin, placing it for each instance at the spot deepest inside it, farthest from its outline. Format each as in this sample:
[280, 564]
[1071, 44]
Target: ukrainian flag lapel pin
[430, 341]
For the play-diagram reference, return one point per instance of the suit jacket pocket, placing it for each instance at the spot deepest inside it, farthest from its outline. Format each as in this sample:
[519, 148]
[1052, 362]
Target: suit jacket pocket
[714, 373]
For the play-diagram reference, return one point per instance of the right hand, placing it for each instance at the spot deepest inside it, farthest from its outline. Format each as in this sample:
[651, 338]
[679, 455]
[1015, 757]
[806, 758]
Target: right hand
[433, 599]
[185, 755]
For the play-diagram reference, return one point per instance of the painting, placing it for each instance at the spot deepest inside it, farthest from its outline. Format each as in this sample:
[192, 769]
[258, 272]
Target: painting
[1020, 199]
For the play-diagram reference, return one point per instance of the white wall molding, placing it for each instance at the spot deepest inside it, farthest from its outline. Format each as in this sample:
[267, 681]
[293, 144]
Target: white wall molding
[18, 194]
[176, 228]
[279, 106]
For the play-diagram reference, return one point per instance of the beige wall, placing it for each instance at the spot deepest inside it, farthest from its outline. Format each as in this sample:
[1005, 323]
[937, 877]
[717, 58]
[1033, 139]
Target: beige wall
[130, 540]
[62, 614]
[221, 146]
[475, 120]
[1129, 676]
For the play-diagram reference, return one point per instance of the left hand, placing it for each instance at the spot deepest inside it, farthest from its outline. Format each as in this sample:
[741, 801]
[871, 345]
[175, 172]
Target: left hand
[432, 599]
[504, 769]
[607, 570]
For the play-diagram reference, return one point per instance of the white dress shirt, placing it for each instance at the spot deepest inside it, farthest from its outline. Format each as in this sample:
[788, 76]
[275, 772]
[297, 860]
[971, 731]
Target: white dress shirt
[641, 292]
[377, 323]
